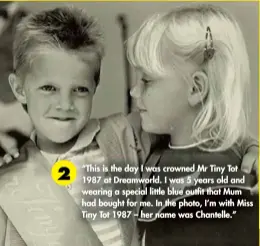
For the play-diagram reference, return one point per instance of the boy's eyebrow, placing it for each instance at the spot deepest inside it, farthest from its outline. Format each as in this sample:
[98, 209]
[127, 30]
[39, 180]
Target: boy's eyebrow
[51, 82]
[81, 85]
[47, 82]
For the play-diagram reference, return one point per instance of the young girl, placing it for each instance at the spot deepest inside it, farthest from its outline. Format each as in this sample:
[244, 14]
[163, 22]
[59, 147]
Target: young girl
[194, 72]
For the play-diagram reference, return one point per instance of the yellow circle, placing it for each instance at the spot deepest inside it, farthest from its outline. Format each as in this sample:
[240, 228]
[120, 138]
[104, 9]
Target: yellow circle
[64, 172]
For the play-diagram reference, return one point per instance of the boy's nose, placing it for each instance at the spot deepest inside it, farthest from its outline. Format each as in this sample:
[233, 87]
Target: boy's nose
[136, 91]
[65, 103]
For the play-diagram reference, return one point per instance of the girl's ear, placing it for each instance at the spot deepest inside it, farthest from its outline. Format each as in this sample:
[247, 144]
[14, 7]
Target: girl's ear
[17, 88]
[199, 88]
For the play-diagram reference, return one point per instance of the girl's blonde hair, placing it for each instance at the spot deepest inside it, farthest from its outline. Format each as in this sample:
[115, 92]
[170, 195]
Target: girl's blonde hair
[168, 40]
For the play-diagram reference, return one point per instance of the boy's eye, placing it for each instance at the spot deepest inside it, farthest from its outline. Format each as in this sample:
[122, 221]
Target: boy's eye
[81, 89]
[48, 88]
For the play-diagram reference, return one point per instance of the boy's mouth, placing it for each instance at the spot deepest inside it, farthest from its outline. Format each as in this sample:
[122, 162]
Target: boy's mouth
[63, 119]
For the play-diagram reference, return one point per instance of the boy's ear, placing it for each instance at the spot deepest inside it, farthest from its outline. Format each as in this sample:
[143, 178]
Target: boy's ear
[199, 88]
[17, 88]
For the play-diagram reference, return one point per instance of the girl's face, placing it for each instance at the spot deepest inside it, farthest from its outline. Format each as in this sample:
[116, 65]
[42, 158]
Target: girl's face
[163, 102]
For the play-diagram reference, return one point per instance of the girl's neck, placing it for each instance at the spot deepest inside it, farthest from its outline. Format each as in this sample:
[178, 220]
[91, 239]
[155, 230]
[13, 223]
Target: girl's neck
[181, 138]
[181, 135]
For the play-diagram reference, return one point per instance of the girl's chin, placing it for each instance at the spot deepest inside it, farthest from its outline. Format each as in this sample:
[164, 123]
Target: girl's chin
[150, 127]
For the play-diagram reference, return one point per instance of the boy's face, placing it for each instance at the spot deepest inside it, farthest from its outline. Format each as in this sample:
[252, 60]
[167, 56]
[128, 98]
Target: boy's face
[58, 91]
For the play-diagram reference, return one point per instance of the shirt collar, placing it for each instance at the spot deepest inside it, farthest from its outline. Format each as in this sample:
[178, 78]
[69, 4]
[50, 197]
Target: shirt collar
[85, 137]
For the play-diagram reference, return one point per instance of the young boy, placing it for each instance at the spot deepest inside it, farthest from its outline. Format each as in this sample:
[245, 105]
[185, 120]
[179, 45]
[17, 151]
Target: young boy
[57, 60]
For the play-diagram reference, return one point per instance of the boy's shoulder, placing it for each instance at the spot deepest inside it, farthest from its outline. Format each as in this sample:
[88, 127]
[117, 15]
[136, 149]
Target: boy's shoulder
[121, 124]
[121, 133]
[122, 121]
[116, 118]
[28, 153]
[132, 119]
[115, 129]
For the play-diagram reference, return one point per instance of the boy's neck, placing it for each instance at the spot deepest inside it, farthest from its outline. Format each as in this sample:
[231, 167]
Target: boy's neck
[52, 147]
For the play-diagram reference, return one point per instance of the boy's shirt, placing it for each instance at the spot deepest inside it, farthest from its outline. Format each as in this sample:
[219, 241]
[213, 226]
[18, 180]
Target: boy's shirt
[83, 154]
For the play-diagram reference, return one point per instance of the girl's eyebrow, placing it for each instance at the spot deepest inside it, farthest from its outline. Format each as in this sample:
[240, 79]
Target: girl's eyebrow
[150, 76]
[147, 74]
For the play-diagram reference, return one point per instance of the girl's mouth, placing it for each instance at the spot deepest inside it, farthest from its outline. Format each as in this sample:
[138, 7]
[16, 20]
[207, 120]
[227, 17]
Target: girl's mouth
[142, 110]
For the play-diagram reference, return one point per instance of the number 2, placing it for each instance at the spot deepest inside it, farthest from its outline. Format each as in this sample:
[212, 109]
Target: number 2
[65, 175]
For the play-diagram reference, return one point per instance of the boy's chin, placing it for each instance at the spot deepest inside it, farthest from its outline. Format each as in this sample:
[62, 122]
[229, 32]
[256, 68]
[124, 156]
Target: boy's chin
[62, 139]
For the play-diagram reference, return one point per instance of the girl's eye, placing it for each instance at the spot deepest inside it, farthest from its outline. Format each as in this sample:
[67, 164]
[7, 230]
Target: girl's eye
[81, 89]
[48, 88]
[146, 81]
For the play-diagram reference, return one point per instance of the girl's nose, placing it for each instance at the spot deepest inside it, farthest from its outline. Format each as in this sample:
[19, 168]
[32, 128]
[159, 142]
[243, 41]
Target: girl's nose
[136, 91]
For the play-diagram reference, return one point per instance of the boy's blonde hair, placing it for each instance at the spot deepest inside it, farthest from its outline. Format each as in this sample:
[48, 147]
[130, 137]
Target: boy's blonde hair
[66, 28]
[170, 39]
